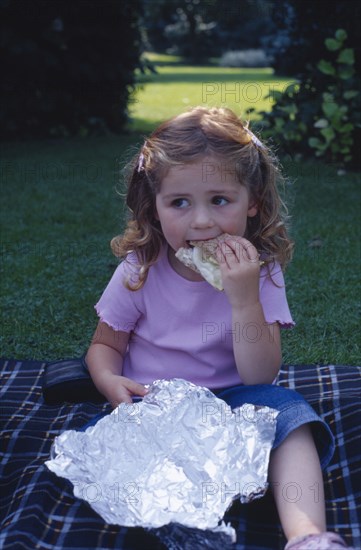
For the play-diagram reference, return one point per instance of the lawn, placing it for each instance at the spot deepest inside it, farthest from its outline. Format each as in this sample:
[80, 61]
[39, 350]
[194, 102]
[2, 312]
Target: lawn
[179, 87]
[60, 208]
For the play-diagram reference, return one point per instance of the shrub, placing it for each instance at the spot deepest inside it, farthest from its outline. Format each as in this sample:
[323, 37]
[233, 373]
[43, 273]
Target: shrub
[335, 130]
[321, 114]
[245, 58]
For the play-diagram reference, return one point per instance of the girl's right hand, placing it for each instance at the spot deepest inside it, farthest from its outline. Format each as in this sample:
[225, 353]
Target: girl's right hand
[120, 389]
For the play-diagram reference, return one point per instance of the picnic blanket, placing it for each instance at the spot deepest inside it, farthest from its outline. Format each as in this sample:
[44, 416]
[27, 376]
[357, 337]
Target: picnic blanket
[39, 511]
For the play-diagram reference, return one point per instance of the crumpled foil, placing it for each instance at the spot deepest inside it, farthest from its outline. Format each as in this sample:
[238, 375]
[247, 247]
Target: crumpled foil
[180, 455]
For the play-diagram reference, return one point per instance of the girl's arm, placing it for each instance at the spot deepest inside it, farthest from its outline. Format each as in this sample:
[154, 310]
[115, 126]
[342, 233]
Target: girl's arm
[105, 362]
[256, 344]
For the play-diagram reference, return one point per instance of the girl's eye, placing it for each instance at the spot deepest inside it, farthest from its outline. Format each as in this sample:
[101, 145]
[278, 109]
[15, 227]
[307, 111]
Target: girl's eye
[220, 201]
[180, 203]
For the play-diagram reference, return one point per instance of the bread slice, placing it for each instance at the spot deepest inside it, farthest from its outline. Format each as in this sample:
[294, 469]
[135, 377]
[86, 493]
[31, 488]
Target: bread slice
[202, 259]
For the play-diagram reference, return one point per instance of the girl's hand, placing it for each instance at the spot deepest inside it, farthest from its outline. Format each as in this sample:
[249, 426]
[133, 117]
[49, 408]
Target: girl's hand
[105, 362]
[239, 264]
[120, 389]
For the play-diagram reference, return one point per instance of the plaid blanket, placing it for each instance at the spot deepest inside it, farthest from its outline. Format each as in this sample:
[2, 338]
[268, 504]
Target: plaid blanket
[38, 509]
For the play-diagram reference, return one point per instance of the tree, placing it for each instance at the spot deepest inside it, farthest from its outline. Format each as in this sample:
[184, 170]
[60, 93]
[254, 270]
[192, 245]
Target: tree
[198, 29]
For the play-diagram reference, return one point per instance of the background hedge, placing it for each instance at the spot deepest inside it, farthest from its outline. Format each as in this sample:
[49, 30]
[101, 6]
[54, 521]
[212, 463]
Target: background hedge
[68, 66]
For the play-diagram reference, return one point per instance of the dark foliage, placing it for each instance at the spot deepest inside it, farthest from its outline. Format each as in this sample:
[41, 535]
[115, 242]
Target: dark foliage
[302, 28]
[68, 66]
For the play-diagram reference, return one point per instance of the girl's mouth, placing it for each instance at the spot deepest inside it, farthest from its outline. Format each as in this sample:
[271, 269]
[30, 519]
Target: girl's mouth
[190, 242]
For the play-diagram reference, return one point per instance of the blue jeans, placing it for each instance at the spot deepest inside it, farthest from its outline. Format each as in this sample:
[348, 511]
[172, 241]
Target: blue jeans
[294, 411]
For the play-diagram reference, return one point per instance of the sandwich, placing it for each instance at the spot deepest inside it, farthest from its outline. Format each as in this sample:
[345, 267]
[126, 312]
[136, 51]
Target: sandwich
[201, 257]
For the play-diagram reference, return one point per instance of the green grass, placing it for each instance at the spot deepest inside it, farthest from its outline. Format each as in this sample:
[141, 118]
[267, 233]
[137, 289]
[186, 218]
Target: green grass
[60, 209]
[323, 280]
[177, 87]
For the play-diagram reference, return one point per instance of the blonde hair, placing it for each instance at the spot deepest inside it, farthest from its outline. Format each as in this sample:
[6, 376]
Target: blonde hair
[187, 138]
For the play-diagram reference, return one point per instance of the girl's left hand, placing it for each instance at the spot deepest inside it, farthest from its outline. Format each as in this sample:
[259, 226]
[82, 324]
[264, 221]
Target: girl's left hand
[240, 267]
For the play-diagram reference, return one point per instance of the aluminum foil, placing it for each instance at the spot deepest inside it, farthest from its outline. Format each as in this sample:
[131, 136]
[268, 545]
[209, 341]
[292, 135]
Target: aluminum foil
[180, 455]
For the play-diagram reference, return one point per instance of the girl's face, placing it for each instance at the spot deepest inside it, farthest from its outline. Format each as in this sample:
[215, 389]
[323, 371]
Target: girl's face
[200, 201]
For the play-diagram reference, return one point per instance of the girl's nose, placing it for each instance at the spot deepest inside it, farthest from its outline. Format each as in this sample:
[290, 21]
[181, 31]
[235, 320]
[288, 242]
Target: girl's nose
[201, 219]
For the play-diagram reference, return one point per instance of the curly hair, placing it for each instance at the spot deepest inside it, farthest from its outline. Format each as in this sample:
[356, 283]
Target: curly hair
[188, 138]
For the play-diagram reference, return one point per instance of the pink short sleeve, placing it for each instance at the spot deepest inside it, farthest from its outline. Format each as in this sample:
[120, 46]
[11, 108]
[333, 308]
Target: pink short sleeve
[273, 297]
[119, 307]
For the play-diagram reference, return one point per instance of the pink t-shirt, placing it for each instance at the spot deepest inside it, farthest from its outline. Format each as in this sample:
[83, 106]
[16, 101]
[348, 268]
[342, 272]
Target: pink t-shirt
[180, 328]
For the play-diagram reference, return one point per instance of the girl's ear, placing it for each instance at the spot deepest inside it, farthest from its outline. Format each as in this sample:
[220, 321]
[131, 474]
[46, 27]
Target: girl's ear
[252, 210]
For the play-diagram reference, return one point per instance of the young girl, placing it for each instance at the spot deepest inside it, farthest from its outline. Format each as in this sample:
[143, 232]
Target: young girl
[198, 176]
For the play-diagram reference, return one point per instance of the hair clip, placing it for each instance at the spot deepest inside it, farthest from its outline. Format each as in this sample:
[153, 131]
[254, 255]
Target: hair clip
[141, 159]
[255, 139]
